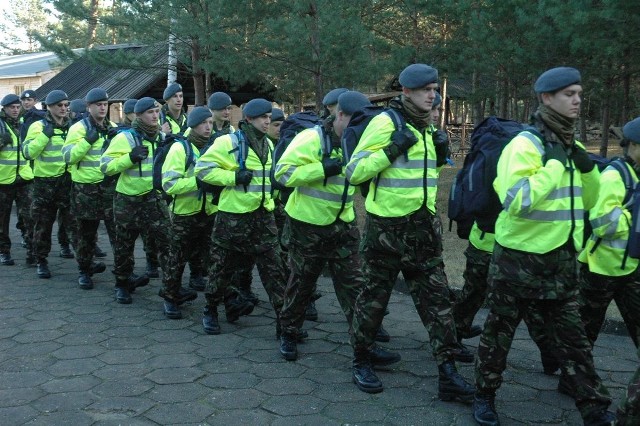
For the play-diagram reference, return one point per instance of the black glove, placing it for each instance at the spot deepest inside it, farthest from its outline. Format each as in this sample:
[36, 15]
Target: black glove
[557, 152]
[441, 143]
[331, 166]
[138, 153]
[92, 135]
[48, 129]
[401, 141]
[581, 160]
[243, 177]
[5, 140]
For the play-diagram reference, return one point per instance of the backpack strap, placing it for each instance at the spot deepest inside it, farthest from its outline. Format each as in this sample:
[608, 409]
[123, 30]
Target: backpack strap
[627, 179]
[399, 123]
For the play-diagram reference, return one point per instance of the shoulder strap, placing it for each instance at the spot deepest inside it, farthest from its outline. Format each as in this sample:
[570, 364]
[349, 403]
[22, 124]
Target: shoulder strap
[622, 168]
[397, 118]
[325, 140]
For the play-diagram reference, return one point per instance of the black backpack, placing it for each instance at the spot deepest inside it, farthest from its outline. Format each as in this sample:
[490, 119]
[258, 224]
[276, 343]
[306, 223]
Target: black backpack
[30, 116]
[356, 127]
[111, 133]
[160, 155]
[472, 197]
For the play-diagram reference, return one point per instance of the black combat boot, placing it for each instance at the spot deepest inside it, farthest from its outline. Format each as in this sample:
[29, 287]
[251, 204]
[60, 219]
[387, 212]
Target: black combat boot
[484, 409]
[600, 418]
[151, 271]
[134, 281]
[451, 385]
[97, 268]
[380, 357]
[311, 313]
[210, 320]
[186, 295]
[84, 281]
[363, 375]
[43, 269]
[5, 259]
[474, 330]
[197, 282]
[550, 363]
[382, 335]
[65, 251]
[171, 309]
[236, 306]
[463, 354]
[289, 347]
[98, 252]
[122, 292]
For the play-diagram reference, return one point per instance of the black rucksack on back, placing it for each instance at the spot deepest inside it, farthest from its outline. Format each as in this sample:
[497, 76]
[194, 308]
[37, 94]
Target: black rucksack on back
[160, 155]
[356, 127]
[111, 133]
[472, 197]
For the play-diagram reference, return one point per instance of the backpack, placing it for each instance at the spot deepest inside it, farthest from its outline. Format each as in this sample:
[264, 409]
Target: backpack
[356, 127]
[291, 126]
[472, 197]
[160, 155]
[111, 133]
[30, 117]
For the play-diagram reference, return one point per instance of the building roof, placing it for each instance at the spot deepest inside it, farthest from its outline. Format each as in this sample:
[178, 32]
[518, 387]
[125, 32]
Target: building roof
[147, 69]
[29, 64]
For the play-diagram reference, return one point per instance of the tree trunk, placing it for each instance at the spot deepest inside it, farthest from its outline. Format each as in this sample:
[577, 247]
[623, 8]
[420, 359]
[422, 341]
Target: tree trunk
[92, 23]
[198, 73]
[604, 142]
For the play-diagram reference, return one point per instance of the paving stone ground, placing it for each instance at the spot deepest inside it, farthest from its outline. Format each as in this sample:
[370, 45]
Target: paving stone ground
[76, 357]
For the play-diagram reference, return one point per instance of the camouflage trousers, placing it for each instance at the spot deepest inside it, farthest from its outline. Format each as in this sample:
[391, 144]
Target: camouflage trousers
[565, 330]
[90, 203]
[629, 408]
[598, 291]
[190, 242]
[474, 293]
[413, 245]
[51, 196]
[245, 239]
[310, 249]
[135, 215]
[21, 195]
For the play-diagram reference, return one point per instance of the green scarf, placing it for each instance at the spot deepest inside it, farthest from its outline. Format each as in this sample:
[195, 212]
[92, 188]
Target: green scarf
[417, 117]
[64, 125]
[197, 139]
[563, 127]
[14, 123]
[149, 131]
[257, 141]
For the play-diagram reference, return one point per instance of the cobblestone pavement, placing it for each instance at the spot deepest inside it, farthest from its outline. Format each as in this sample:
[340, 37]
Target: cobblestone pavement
[76, 357]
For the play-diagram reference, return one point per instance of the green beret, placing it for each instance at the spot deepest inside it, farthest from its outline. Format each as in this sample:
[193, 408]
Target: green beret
[96, 95]
[198, 115]
[55, 96]
[10, 100]
[219, 100]
[171, 90]
[145, 104]
[331, 98]
[257, 107]
[416, 76]
[352, 101]
[556, 79]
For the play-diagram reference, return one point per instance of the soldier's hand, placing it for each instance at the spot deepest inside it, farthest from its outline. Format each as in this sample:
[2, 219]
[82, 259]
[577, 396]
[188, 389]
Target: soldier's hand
[331, 166]
[138, 153]
[557, 152]
[166, 128]
[92, 135]
[441, 143]
[243, 177]
[5, 140]
[401, 141]
[581, 160]
[48, 129]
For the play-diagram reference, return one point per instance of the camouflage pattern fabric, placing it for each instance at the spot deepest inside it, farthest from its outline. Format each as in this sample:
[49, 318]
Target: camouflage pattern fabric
[90, 203]
[190, 242]
[311, 247]
[507, 305]
[150, 249]
[135, 215]
[50, 196]
[21, 195]
[240, 240]
[598, 291]
[629, 408]
[410, 244]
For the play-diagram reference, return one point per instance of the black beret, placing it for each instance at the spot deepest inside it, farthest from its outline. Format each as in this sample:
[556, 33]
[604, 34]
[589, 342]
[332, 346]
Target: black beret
[556, 79]
[28, 94]
[145, 104]
[416, 76]
[277, 115]
[331, 98]
[55, 96]
[10, 100]
[129, 105]
[96, 94]
[219, 100]
[257, 107]
[171, 90]
[198, 115]
[78, 106]
[351, 101]
[631, 130]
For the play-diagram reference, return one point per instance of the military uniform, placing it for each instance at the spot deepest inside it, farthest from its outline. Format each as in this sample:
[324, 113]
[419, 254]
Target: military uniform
[92, 199]
[52, 183]
[178, 125]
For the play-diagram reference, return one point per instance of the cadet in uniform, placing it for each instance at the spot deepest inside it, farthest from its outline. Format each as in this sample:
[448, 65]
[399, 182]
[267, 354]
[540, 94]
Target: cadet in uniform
[400, 231]
[172, 118]
[192, 210]
[545, 187]
[16, 177]
[91, 200]
[245, 231]
[52, 182]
